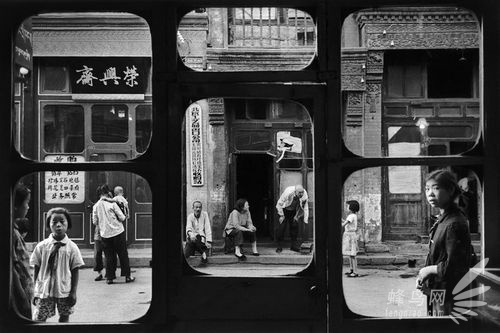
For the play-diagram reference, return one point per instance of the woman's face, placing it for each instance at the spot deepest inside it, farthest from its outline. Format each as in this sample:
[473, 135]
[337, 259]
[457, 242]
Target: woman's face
[246, 206]
[437, 196]
[22, 210]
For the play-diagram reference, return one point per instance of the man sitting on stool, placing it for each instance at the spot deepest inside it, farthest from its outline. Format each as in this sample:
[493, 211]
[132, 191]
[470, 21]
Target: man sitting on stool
[198, 233]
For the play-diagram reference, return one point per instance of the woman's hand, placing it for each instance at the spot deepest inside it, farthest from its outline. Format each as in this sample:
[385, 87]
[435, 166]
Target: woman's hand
[424, 274]
[253, 228]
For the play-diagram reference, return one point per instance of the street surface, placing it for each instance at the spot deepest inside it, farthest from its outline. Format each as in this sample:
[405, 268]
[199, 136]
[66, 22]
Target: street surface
[377, 292]
[98, 302]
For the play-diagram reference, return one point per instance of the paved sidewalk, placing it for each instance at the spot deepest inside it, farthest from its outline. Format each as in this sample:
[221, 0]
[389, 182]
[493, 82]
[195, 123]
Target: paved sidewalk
[384, 293]
[98, 302]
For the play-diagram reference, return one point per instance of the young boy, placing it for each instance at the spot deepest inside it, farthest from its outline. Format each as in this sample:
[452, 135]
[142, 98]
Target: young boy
[56, 260]
[121, 201]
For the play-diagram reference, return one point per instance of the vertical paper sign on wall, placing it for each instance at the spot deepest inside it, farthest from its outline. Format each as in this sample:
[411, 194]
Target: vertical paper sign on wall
[64, 187]
[196, 144]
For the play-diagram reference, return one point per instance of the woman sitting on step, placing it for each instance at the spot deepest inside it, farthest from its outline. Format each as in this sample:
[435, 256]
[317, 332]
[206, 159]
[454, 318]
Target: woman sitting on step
[240, 224]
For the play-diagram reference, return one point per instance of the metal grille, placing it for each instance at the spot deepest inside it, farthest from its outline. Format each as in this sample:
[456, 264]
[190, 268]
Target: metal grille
[270, 27]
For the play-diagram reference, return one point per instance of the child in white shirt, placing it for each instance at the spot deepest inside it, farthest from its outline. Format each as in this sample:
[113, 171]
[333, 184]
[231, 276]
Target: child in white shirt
[56, 260]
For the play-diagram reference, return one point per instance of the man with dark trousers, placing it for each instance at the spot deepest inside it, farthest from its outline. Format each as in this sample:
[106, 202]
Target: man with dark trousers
[292, 206]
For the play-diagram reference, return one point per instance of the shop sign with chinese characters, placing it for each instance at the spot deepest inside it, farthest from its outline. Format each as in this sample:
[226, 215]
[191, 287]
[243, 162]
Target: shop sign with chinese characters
[109, 75]
[64, 187]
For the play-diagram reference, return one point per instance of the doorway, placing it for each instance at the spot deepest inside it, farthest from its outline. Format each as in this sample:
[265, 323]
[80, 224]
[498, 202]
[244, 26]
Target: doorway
[254, 182]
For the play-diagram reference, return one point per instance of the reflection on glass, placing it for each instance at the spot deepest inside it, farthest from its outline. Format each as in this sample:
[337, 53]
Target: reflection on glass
[55, 79]
[143, 126]
[82, 86]
[142, 191]
[110, 123]
[392, 235]
[401, 67]
[63, 128]
[232, 207]
[240, 39]
[72, 194]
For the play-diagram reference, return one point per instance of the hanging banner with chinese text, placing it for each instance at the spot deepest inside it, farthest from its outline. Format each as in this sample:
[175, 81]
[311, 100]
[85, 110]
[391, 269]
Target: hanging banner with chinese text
[196, 144]
[64, 187]
[109, 75]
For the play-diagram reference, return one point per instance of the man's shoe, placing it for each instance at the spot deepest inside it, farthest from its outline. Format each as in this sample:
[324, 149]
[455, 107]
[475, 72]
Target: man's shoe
[295, 249]
[109, 281]
[256, 254]
[279, 250]
[99, 278]
[204, 260]
[129, 279]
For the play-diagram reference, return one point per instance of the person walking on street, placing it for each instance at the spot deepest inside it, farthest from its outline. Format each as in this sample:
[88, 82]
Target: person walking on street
[292, 207]
[450, 243]
[110, 219]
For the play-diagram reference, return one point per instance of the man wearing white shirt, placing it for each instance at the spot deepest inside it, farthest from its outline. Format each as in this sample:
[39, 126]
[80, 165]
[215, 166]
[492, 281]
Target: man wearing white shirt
[109, 217]
[292, 206]
[198, 232]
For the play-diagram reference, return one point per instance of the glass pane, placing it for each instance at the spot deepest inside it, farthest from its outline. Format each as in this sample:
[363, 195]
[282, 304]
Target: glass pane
[54, 79]
[81, 202]
[82, 85]
[110, 123]
[243, 39]
[142, 191]
[143, 126]
[229, 160]
[63, 128]
[386, 241]
[402, 67]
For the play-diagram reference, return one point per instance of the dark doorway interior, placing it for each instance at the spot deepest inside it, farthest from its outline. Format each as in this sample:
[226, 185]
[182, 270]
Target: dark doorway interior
[254, 182]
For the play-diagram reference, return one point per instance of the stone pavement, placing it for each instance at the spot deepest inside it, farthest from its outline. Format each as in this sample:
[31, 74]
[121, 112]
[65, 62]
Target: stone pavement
[377, 292]
[98, 302]
[384, 292]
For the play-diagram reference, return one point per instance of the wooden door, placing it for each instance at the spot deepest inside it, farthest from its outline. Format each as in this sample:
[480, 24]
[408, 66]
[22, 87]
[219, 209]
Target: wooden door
[402, 187]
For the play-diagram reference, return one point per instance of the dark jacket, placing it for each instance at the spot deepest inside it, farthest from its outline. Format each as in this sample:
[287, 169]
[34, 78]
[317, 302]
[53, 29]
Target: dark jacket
[449, 249]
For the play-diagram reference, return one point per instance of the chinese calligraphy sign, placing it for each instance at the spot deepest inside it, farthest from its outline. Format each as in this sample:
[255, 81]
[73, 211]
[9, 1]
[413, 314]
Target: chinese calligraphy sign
[110, 75]
[196, 144]
[64, 187]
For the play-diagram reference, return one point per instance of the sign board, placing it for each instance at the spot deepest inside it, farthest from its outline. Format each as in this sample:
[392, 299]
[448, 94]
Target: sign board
[23, 48]
[196, 144]
[109, 75]
[64, 187]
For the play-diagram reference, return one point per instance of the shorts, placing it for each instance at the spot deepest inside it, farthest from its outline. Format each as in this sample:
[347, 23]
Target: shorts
[46, 307]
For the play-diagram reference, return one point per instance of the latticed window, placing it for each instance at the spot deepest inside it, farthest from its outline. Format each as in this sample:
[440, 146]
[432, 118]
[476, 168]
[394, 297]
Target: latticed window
[270, 27]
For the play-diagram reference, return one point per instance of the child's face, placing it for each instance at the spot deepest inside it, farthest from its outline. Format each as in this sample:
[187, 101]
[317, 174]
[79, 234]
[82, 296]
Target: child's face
[437, 196]
[58, 225]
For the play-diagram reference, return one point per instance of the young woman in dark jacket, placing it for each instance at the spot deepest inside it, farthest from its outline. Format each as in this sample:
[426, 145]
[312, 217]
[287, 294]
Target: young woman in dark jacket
[450, 245]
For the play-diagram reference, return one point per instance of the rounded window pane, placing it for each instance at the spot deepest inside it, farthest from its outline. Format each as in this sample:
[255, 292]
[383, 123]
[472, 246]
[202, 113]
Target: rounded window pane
[82, 86]
[411, 77]
[95, 216]
[394, 223]
[259, 207]
[243, 39]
